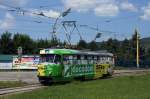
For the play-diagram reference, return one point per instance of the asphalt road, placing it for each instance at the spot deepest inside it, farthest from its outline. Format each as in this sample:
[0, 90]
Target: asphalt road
[31, 76]
[25, 76]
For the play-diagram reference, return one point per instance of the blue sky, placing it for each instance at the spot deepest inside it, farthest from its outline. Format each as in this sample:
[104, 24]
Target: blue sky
[118, 18]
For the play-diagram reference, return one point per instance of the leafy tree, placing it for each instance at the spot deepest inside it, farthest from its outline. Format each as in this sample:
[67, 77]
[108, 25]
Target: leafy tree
[42, 43]
[111, 45]
[25, 42]
[93, 46]
[82, 44]
[6, 43]
[55, 42]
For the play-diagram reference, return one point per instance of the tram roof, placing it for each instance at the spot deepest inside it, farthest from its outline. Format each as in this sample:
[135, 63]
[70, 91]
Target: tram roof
[98, 53]
[71, 51]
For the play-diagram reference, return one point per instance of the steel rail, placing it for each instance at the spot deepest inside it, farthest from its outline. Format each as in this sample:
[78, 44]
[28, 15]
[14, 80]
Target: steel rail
[27, 88]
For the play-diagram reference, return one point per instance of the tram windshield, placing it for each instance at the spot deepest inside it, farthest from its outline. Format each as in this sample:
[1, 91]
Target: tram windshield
[50, 58]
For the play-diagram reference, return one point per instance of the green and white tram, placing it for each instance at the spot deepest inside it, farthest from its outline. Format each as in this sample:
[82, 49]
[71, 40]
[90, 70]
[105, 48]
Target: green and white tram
[66, 64]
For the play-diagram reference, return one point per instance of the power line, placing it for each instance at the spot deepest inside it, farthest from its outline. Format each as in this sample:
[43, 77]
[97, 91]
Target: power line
[34, 21]
[121, 18]
[23, 11]
[28, 29]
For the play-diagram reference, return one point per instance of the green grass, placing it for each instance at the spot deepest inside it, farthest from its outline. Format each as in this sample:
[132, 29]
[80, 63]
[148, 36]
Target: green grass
[128, 87]
[9, 84]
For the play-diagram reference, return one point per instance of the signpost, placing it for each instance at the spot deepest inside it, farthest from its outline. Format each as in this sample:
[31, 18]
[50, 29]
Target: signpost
[19, 50]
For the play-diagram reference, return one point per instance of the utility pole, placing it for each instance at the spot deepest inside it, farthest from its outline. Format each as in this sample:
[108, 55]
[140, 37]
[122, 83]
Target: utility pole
[137, 48]
[63, 14]
[68, 32]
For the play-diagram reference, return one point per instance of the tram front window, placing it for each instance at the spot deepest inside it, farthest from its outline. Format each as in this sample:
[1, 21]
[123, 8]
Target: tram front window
[50, 58]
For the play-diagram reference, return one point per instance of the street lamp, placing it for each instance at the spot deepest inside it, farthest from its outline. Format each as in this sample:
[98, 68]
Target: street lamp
[63, 14]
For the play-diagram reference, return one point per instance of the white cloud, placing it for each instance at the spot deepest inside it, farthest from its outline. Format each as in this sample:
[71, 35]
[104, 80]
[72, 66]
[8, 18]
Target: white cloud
[100, 7]
[128, 6]
[106, 10]
[14, 2]
[146, 11]
[20, 2]
[8, 22]
[3, 7]
[79, 5]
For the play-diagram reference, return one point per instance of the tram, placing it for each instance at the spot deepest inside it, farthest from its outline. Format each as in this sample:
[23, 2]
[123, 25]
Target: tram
[58, 65]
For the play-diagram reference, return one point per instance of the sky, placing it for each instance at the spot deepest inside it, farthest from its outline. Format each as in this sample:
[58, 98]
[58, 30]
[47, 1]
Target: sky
[115, 19]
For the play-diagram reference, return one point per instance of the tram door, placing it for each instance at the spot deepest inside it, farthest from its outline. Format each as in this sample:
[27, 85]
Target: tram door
[67, 66]
[98, 71]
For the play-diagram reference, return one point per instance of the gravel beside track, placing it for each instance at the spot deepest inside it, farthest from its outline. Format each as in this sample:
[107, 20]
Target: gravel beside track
[130, 72]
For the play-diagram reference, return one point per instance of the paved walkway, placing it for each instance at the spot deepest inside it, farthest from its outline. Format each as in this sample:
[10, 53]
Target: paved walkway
[29, 77]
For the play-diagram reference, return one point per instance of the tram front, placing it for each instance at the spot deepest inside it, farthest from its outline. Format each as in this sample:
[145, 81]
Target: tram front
[49, 67]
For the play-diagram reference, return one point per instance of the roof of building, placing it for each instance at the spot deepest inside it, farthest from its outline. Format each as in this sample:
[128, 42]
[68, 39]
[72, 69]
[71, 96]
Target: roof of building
[6, 57]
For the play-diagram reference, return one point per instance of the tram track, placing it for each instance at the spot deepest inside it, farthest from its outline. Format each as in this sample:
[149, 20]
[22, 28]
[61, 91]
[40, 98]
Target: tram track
[7, 91]
[118, 73]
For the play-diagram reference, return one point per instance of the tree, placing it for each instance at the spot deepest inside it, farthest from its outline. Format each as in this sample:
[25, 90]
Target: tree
[6, 46]
[82, 44]
[54, 42]
[25, 42]
[42, 43]
[124, 50]
[93, 46]
[112, 45]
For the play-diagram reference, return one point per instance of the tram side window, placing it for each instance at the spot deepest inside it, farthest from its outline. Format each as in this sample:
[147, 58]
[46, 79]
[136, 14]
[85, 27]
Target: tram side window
[110, 60]
[101, 60]
[90, 59]
[74, 61]
[65, 60]
[68, 59]
[57, 59]
[78, 59]
[107, 59]
[71, 59]
[83, 59]
[98, 59]
[95, 59]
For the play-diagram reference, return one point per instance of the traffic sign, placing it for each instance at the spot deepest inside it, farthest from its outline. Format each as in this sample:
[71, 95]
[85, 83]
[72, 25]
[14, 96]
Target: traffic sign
[19, 50]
